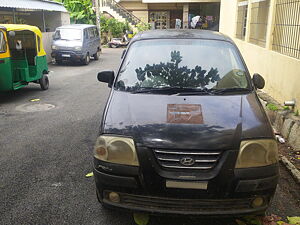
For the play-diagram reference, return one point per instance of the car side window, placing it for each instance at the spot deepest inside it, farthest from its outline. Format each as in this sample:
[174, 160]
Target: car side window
[2, 43]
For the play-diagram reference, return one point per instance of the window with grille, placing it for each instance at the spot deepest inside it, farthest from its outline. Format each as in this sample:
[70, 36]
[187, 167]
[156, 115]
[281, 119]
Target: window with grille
[241, 22]
[286, 35]
[259, 21]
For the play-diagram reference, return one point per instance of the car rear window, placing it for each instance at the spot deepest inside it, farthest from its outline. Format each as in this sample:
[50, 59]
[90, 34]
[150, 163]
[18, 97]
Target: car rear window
[185, 63]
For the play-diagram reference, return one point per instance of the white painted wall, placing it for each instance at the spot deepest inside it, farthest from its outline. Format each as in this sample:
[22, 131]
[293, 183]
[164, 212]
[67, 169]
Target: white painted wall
[281, 72]
[47, 41]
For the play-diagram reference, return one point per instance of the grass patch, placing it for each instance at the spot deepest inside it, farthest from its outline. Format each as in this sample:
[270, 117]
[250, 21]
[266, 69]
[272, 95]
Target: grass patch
[272, 107]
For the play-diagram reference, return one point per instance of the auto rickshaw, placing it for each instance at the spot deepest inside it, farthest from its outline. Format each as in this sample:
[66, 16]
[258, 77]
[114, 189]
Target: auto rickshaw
[22, 57]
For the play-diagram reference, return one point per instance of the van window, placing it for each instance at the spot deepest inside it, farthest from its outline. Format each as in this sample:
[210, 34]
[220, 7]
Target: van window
[2, 43]
[86, 35]
[96, 32]
[184, 63]
[67, 34]
[91, 32]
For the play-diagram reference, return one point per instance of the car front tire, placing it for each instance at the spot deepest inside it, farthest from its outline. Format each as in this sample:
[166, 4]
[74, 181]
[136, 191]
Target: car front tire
[87, 59]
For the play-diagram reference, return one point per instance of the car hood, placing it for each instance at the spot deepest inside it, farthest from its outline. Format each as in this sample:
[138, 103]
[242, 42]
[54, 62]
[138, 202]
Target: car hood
[225, 120]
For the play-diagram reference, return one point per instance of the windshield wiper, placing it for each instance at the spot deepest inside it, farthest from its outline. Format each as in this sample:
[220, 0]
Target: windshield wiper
[190, 91]
[156, 90]
[213, 91]
[170, 90]
[229, 90]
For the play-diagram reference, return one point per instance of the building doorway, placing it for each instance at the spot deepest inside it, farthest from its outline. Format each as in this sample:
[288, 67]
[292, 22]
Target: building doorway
[209, 15]
[160, 19]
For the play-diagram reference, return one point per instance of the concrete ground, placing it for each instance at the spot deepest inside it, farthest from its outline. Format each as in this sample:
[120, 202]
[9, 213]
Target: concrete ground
[44, 155]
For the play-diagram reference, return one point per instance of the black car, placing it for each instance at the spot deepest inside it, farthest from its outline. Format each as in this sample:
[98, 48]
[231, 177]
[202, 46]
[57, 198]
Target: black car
[183, 131]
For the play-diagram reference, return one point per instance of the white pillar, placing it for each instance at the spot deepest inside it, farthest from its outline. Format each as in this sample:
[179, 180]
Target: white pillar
[185, 17]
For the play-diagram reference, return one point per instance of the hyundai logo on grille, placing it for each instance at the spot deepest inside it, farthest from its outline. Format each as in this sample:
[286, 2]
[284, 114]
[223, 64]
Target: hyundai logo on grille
[187, 161]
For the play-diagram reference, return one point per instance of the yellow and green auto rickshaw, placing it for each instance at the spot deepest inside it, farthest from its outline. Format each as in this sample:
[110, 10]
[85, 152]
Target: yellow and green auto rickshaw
[22, 57]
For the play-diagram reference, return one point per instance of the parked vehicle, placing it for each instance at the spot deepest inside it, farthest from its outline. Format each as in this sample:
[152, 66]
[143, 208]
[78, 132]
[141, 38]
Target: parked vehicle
[117, 43]
[183, 130]
[22, 57]
[76, 42]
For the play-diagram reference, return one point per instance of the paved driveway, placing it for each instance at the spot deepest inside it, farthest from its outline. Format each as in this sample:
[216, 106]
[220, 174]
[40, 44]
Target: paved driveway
[44, 155]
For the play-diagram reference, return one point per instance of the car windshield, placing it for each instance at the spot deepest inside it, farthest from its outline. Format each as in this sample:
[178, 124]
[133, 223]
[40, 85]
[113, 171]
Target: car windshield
[68, 34]
[183, 63]
[2, 42]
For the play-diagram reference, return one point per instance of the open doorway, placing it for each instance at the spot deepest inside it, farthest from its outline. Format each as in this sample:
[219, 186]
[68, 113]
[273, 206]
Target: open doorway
[208, 15]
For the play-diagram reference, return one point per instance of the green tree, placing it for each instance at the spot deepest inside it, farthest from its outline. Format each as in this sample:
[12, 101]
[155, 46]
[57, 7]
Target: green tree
[81, 11]
[171, 74]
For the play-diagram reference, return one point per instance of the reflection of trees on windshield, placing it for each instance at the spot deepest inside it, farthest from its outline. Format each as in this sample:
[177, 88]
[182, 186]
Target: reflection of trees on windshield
[170, 74]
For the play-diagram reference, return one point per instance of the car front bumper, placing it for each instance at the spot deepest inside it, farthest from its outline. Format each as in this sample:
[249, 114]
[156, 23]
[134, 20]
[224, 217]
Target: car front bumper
[234, 199]
[67, 55]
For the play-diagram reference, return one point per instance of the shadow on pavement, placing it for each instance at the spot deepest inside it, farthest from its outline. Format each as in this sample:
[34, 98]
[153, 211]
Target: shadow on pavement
[25, 92]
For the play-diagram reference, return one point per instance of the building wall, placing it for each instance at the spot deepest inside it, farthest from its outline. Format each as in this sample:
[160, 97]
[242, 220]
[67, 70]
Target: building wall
[179, 1]
[138, 9]
[281, 72]
[47, 41]
[65, 18]
[35, 18]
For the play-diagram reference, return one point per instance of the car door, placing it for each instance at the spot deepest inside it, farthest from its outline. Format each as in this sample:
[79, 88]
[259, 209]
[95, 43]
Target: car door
[97, 39]
[90, 41]
[85, 45]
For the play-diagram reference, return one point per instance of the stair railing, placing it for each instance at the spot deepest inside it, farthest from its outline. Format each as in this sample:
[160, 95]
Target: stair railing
[122, 11]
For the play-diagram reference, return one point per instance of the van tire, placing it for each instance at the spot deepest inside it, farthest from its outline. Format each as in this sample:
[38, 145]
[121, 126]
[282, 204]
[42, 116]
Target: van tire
[86, 59]
[96, 55]
[44, 82]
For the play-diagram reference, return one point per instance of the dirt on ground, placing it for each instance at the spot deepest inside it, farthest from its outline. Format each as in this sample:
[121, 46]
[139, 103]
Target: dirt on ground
[287, 151]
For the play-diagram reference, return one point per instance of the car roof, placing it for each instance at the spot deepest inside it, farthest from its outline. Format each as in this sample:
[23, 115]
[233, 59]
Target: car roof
[181, 34]
[76, 26]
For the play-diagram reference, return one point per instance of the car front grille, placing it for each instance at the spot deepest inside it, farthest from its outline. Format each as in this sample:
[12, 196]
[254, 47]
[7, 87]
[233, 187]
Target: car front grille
[187, 159]
[192, 205]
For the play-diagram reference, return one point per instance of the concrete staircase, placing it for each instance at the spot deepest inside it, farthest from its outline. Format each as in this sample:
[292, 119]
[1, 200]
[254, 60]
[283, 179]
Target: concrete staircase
[119, 12]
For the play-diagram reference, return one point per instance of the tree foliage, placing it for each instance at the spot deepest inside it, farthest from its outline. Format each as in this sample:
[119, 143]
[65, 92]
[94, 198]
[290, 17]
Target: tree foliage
[143, 26]
[171, 74]
[113, 26]
[81, 11]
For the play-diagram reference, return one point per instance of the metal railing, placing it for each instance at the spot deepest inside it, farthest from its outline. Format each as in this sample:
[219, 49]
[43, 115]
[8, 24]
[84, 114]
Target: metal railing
[241, 22]
[122, 11]
[286, 37]
[259, 22]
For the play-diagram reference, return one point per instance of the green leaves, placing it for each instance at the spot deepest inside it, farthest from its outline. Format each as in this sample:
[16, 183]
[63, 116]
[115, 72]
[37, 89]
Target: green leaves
[141, 219]
[294, 220]
[113, 26]
[81, 11]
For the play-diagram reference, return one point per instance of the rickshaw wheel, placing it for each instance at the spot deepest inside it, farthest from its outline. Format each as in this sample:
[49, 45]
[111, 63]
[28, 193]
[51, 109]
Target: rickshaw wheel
[44, 82]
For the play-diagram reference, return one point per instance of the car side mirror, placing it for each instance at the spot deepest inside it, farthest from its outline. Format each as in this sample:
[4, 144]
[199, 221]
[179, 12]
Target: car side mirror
[107, 77]
[258, 81]
[123, 53]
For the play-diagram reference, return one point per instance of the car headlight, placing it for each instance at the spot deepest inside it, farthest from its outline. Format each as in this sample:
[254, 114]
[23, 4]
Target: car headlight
[256, 153]
[78, 48]
[118, 150]
[54, 47]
